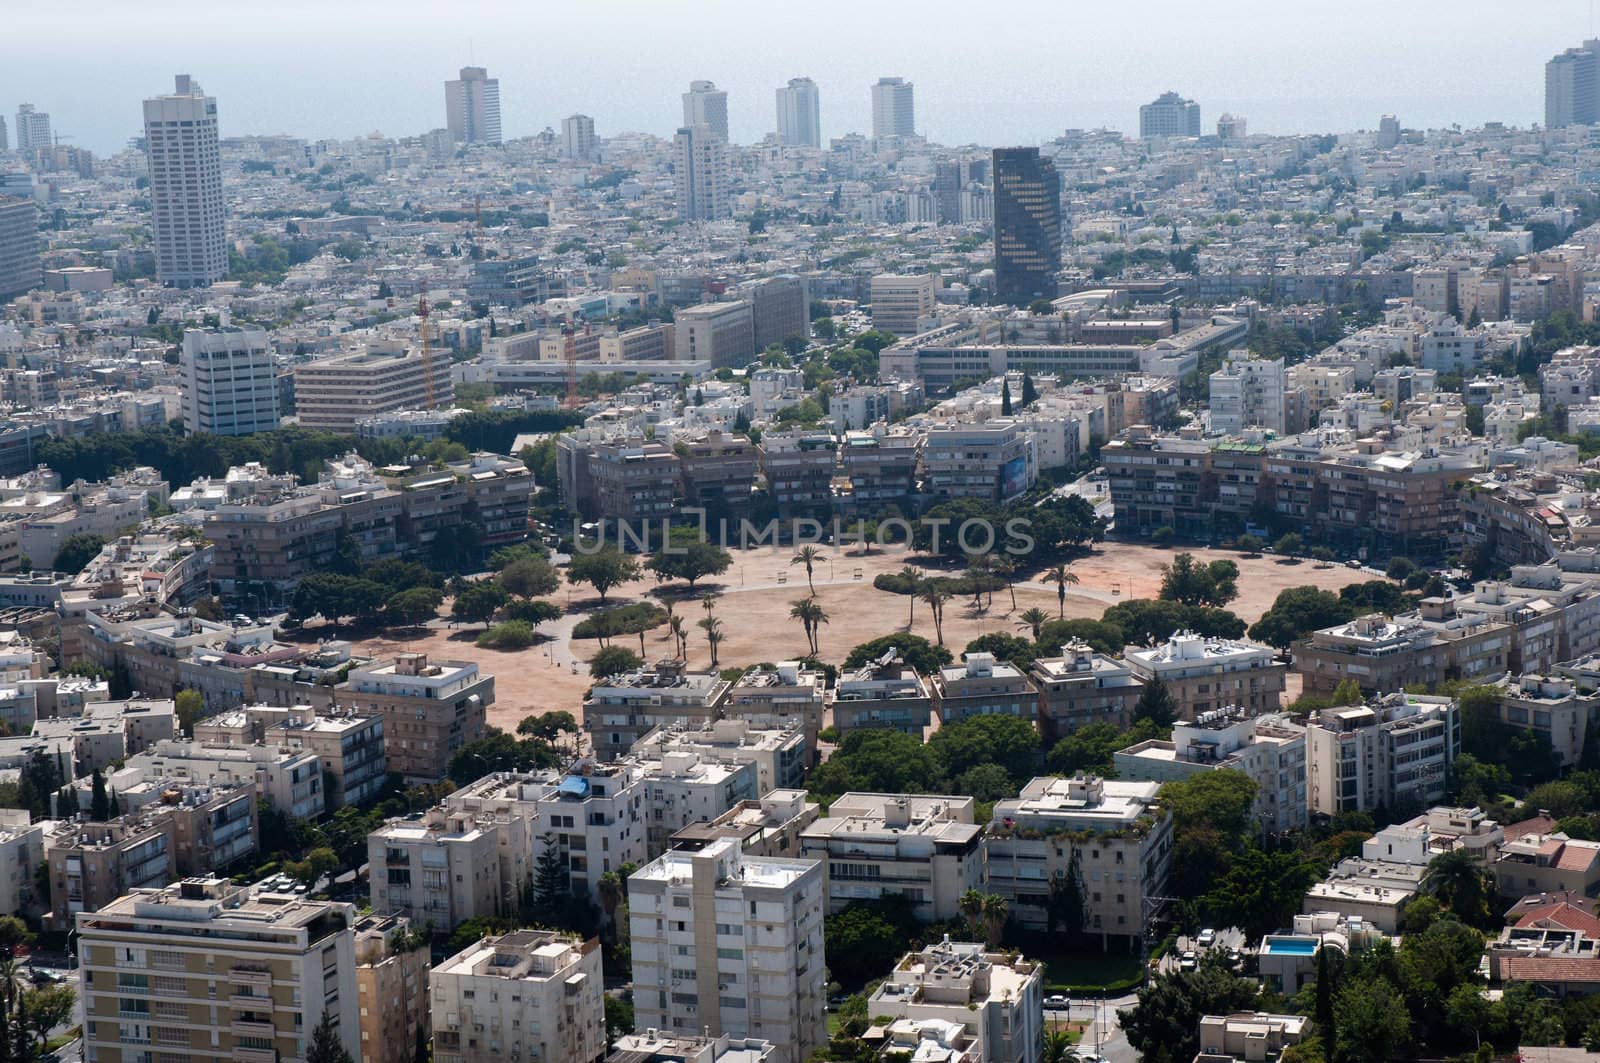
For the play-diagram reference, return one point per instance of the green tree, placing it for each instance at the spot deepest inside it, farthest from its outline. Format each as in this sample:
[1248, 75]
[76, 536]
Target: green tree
[414, 607]
[914, 650]
[551, 881]
[42, 1009]
[865, 939]
[603, 570]
[614, 660]
[1061, 576]
[532, 613]
[1289, 545]
[1298, 611]
[1164, 1023]
[809, 556]
[1155, 704]
[189, 705]
[1032, 620]
[530, 577]
[1008, 741]
[326, 1046]
[478, 603]
[619, 1018]
[1188, 581]
[879, 760]
[1459, 881]
[690, 561]
[1370, 1021]
[99, 804]
[77, 551]
[548, 725]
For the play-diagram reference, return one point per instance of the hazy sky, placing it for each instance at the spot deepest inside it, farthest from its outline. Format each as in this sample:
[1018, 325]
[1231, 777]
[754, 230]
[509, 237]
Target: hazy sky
[990, 71]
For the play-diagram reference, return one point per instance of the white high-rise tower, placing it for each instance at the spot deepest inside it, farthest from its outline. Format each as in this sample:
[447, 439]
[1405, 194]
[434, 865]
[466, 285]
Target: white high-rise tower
[705, 104]
[472, 107]
[186, 206]
[799, 114]
[577, 138]
[700, 172]
[893, 109]
[33, 128]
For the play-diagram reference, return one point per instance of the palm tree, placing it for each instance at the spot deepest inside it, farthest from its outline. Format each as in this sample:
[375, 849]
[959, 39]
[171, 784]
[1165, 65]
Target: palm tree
[713, 629]
[971, 908]
[995, 910]
[1033, 619]
[1058, 1047]
[805, 611]
[914, 579]
[977, 574]
[708, 601]
[807, 556]
[1458, 881]
[1007, 568]
[1061, 575]
[676, 628]
[610, 894]
[936, 596]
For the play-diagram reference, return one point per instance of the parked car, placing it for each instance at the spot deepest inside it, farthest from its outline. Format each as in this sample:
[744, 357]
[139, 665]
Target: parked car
[1188, 961]
[1057, 1002]
[1208, 937]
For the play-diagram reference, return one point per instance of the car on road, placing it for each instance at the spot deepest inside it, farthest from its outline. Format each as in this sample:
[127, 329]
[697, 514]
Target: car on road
[1208, 938]
[1188, 961]
[1352, 563]
[1057, 1002]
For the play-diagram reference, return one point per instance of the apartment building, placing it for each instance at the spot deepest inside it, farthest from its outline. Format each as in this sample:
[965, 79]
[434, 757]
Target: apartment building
[593, 816]
[350, 747]
[900, 302]
[780, 695]
[1247, 392]
[654, 342]
[718, 473]
[440, 867]
[230, 382]
[880, 472]
[631, 482]
[925, 849]
[624, 708]
[21, 851]
[778, 755]
[987, 461]
[658, 1046]
[780, 308]
[391, 988]
[529, 994]
[768, 827]
[1558, 707]
[333, 394]
[291, 780]
[982, 686]
[1386, 654]
[799, 466]
[956, 997]
[429, 709]
[1396, 749]
[882, 693]
[1115, 834]
[1082, 687]
[19, 246]
[726, 943]
[202, 969]
[1249, 1035]
[1271, 749]
[681, 788]
[92, 864]
[1202, 673]
[720, 333]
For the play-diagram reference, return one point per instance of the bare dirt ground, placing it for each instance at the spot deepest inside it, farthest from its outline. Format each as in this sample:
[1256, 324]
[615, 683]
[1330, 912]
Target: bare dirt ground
[757, 592]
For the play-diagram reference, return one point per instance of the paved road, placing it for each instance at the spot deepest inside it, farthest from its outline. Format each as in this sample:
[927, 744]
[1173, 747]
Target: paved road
[1103, 1029]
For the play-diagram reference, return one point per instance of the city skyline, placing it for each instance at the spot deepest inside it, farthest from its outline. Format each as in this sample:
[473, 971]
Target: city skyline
[275, 81]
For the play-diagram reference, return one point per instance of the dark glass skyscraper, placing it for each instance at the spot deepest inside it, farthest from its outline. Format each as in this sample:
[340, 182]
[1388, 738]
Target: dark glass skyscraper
[1027, 226]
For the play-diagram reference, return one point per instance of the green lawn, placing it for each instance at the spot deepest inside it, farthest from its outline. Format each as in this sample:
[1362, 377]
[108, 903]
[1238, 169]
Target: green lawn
[1089, 971]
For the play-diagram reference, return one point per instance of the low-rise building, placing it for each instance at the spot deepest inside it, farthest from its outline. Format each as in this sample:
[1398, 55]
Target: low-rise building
[391, 987]
[429, 709]
[1547, 863]
[882, 693]
[987, 1006]
[1202, 673]
[21, 850]
[681, 788]
[1249, 1036]
[1552, 706]
[778, 696]
[769, 827]
[529, 994]
[1373, 891]
[660, 1046]
[1382, 654]
[1082, 687]
[1270, 749]
[982, 686]
[441, 867]
[927, 850]
[1394, 751]
[623, 708]
[1114, 834]
[778, 754]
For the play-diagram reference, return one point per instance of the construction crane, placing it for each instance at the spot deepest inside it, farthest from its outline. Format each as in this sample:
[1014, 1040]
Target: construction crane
[427, 344]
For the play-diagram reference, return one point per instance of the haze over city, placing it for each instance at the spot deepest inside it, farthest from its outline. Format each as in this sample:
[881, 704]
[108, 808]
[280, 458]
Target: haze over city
[994, 73]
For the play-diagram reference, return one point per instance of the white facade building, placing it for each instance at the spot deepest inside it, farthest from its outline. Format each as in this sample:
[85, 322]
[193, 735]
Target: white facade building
[893, 108]
[961, 998]
[578, 140]
[700, 174]
[526, 995]
[472, 107]
[799, 114]
[186, 205]
[1397, 748]
[705, 104]
[230, 385]
[1247, 392]
[730, 944]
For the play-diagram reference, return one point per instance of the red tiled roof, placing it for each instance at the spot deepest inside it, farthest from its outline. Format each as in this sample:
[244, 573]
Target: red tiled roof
[1549, 969]
[1576, 857]
[1564, 915]
[1536, 825]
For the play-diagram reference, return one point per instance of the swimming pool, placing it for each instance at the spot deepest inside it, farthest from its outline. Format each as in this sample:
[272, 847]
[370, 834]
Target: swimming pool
[1291, 946]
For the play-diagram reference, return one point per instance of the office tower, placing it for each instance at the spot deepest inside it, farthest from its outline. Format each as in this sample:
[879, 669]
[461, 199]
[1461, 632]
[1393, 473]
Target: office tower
[230, 385]
[33, 128]
[1572, 87]
[1027, 226]
[235, 972]
[577, 138]
[19, 246]
[1388, 132]
[893, 110]
[529, 994]
[899, 301]
[700, 173]
[1230, 128]
[739, 935]
[5, 141]
[705, 104]
[472, 107]
[799, 114]
[186, 205]
[332, 394]
[1169, 115]
[779, 308]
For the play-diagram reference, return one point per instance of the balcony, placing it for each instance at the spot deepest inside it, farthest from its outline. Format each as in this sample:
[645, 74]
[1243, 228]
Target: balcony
[255, 1055]
[252, 1028]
